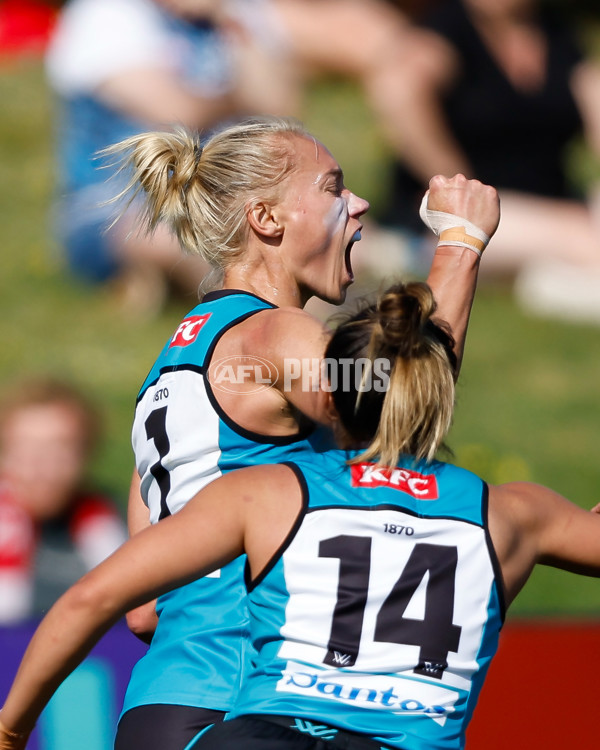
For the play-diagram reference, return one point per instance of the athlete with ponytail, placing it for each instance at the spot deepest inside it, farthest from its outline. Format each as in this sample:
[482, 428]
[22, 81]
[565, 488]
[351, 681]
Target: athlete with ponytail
[266, 205]
[378, 576]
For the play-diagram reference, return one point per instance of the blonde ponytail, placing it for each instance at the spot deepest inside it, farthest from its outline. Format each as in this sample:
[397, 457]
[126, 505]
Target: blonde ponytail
[414, 413]
[202, 191]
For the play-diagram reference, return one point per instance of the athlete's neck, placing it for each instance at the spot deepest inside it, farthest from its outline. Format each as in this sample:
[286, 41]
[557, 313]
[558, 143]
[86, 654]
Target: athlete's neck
[279, 287]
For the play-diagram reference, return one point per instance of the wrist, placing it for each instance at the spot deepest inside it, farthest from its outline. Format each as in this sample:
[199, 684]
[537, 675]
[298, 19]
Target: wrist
[458, 237]
[457, 255]
[453, 230]
[11, 733]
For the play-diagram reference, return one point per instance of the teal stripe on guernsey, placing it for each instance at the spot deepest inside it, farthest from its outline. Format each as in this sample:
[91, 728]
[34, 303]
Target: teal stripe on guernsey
[199, 647]
[394, 640]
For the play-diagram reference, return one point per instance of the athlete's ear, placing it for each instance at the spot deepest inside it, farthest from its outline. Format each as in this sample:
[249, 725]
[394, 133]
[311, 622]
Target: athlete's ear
[342, 438]
[264, 220]
[329, 407]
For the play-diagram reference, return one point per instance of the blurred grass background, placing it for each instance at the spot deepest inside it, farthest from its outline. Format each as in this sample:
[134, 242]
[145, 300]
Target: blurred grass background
[529, 394]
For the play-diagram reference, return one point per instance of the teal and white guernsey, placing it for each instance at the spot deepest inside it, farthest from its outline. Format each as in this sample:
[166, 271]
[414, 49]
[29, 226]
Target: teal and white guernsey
[182, 440]
[382, 610]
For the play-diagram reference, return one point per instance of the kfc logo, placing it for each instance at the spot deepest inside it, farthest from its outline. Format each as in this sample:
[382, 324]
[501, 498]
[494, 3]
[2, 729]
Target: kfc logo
[421, 486]
[188, 330]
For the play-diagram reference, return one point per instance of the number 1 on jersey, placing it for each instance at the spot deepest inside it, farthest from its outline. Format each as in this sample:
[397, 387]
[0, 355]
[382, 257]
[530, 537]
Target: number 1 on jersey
[156, 430]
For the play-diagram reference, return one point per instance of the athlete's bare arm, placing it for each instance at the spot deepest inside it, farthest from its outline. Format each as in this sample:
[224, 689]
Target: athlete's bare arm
[453, 274]
[142, 621]
[240, 510]
[293, 343]
[531, 524]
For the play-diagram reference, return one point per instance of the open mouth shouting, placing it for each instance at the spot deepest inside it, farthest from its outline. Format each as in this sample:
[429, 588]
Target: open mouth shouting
[355, 238]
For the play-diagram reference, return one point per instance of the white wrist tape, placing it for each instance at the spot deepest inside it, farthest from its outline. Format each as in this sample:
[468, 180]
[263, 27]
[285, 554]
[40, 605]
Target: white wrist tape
[452, 229]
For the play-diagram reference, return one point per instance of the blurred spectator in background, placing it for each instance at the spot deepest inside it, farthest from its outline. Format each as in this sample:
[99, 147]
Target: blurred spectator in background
[120, 67]
[354, 38]
[26, 26]
[505, 92]
[53, 528]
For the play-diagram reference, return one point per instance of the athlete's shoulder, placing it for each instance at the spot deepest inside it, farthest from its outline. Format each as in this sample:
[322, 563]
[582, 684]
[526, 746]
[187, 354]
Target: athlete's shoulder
[286, 331]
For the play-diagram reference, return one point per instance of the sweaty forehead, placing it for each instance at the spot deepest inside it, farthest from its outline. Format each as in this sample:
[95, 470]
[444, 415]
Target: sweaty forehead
[314, 157]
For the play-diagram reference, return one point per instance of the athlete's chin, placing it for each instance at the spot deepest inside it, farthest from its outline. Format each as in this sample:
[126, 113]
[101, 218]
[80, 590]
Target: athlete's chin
[339, 297]
[342, 296]
[335, 293]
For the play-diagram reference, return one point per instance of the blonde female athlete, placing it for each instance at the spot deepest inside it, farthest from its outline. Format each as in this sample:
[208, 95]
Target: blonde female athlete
[266, 204]
[377, 576]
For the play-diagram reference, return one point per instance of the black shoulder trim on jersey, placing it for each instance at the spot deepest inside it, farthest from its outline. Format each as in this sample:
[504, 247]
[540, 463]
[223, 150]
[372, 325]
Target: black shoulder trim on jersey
[169, 368]
[210, 297]
[228, 327]
[485, 502]
[252, 584]
[209, 352]
[220, 293]
[257, 437]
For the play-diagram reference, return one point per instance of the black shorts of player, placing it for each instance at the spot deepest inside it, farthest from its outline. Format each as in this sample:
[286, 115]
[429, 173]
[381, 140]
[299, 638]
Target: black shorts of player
[258, 732]
[163, 727]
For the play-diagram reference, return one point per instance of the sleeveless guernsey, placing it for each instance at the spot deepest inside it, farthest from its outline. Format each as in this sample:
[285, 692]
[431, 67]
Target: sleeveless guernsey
[382, 610]
[182, 440]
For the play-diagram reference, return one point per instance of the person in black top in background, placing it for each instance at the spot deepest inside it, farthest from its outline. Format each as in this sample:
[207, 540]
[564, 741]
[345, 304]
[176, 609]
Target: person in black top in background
[502, 99]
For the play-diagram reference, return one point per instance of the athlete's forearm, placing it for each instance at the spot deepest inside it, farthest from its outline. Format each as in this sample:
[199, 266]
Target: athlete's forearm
[464, 214]
[205, 535]
[453, 279]
[12, 740]
[143, 620]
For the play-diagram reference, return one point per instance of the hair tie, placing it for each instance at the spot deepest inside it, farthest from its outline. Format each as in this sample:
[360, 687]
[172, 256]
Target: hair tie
[198, 149]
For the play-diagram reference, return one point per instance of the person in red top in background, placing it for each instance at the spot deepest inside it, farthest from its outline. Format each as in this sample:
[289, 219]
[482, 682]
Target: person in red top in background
[26, 25]
[52, 527]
